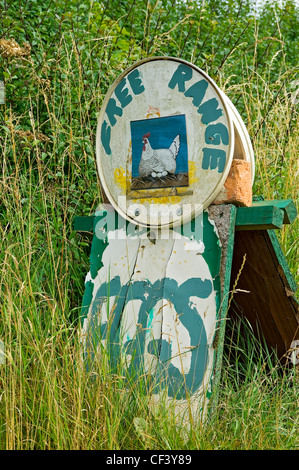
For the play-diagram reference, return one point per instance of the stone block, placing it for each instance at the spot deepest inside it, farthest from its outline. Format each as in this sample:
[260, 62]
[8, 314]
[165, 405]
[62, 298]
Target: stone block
[237, 188]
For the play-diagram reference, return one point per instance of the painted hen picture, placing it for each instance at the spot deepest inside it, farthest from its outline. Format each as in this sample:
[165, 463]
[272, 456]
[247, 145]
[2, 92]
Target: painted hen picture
[159, 153]
[158, 162]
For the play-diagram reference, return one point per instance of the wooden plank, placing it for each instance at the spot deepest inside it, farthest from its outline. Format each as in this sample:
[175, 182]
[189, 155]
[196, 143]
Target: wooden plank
[188, 327]
[112, 262]
[287, 205]
[259, 217]
[153, 121]
[163, 308]
[141, 321]
[98, 246]
[269, 303]
[197, 283]
[225, 222]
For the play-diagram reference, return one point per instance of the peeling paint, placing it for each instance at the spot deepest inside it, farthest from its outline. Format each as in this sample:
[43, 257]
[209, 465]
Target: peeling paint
[122, 177]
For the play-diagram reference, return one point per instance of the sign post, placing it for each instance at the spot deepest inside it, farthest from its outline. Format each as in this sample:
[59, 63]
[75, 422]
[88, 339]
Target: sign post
[162, 254]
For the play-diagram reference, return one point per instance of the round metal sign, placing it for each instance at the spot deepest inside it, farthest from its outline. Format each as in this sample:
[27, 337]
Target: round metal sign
[165, 142]
[243, 147]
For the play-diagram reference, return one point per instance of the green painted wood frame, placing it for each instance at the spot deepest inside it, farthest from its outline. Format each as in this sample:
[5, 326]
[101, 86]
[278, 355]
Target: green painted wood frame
[261, 215]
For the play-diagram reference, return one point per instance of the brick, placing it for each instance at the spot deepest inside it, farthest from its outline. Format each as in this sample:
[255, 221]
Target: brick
[237, 188]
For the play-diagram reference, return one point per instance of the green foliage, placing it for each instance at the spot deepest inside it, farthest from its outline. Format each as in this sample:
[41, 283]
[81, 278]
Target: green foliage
[57, 60]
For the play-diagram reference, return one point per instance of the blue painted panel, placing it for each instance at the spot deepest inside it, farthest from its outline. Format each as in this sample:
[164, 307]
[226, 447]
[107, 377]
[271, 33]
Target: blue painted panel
[162, 133]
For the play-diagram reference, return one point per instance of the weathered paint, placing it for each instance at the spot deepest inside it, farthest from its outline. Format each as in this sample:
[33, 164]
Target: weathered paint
[145, 276]
[267, 290]
[111, 270]
[183, 90]
[84, 224]
[243, 147]
[121, 176]
[155, 307]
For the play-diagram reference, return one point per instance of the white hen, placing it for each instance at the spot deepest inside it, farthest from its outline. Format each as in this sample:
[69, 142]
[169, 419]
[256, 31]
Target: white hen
[158, 162]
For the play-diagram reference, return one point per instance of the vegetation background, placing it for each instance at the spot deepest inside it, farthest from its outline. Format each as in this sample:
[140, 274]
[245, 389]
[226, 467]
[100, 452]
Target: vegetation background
[57, 60]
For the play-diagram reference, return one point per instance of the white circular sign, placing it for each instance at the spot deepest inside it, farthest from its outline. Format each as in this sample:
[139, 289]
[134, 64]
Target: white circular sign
[165, 142]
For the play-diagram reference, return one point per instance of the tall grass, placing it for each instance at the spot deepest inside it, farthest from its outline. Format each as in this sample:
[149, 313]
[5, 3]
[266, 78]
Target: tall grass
[48, 175]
